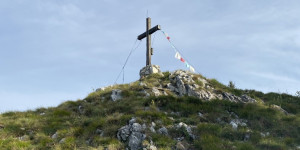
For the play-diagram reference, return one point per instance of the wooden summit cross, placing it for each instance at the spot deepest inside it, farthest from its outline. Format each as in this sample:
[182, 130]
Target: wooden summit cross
[147, 34]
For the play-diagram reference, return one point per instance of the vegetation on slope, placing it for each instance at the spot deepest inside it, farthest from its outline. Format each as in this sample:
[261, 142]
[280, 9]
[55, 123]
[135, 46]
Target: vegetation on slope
[92, 123]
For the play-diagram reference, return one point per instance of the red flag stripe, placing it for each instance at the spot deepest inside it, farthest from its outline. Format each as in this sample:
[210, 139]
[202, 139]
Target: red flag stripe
[181, 59]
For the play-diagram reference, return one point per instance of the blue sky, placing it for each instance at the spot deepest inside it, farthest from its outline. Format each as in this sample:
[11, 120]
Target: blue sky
[58, 50]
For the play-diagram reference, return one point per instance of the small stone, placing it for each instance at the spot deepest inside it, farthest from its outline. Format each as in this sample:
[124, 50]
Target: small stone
[180, 138]
[54, 136]
[153, 124]
[101, 89]
[80, 109]
[142, 84]
[62, 140]
[247, 137]
[200, 114]
[163, 131]
[24, 138]
[152, 147]
[179, 146]
[88, 142]
[99, 132]
[152, 129]
[234, 125]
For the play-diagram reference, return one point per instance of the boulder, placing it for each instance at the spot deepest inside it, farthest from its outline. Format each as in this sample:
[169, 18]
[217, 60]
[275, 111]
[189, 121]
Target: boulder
[116, 94]
[132, 134]
[149, 69]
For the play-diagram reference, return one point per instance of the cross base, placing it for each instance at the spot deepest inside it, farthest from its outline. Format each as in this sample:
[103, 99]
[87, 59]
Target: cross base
[149, 69]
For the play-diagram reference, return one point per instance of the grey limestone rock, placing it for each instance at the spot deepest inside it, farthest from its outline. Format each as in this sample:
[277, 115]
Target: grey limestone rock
[54, 136]
[163, 131]
[136, 127]
[123, 133]
[187, 128]
[247, 99]
[180, 86]
[62, 140]
[150, 69]
[24, 138]
[155, 91]
[116, 94]
[231, 97]
[135, 140]
[237, 122]
[132, 134]
[132, 121]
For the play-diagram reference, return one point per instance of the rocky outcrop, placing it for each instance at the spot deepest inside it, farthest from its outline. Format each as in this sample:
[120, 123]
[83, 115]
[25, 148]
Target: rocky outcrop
[183, 83]
[116, 94]
[132, 134]
[233, 98]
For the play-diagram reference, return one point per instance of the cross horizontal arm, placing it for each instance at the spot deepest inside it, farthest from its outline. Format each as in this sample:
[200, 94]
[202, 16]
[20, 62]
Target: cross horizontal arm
[152, 30]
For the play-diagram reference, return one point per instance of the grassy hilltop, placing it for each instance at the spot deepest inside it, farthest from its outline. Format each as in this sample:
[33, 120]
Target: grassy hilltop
[202, 117]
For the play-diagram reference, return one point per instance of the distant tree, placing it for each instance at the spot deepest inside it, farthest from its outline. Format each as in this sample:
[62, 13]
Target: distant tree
[231, 85]
[298, 93]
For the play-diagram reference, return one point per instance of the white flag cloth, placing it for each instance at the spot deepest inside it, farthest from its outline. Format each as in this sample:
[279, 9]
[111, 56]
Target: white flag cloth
[192, 69]
[177, 56]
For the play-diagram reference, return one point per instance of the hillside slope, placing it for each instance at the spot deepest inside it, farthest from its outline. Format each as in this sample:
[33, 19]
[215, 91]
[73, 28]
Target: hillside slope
[178, 110]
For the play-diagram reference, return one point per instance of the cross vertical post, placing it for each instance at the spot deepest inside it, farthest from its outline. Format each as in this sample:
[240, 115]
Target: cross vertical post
[147, 35]
[148, 55]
